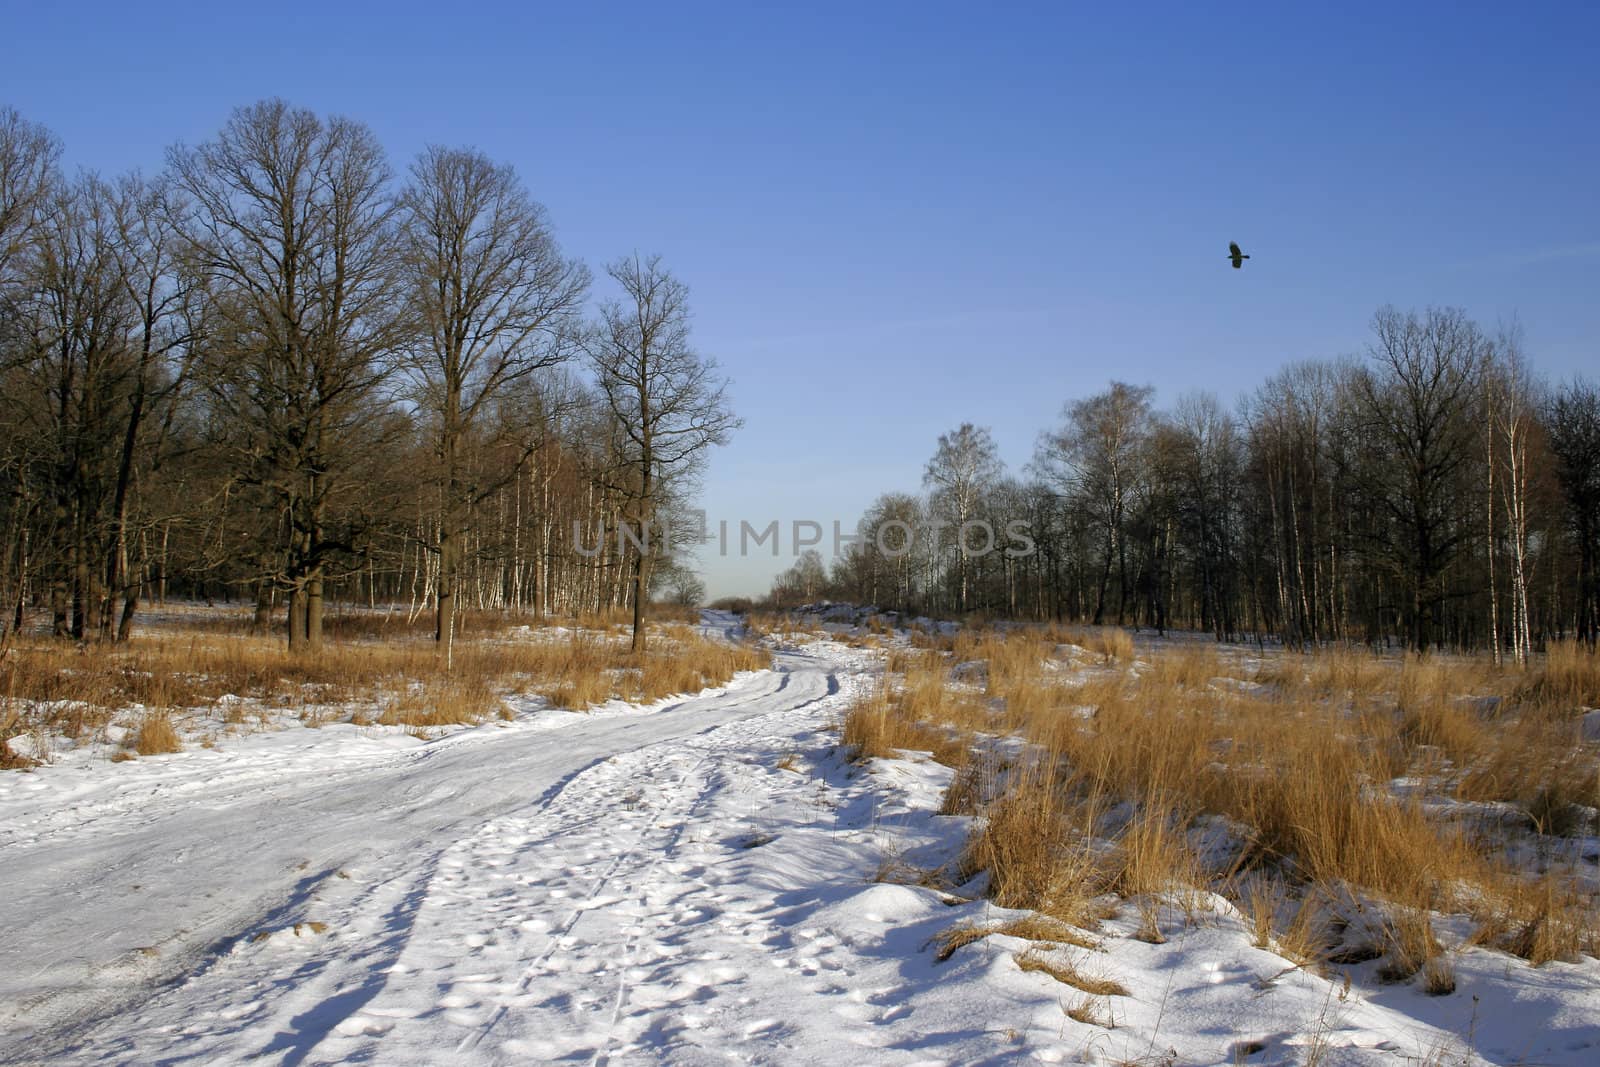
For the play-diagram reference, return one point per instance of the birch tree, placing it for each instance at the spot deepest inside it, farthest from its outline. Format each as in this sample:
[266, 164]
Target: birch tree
[1509, 424]
[965, 464]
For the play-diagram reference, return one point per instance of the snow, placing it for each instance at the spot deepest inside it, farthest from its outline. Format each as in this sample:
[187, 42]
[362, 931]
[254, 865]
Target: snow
[706, 880]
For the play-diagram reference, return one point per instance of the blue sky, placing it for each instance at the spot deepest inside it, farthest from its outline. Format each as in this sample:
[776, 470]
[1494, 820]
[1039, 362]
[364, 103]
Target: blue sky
[898, 217]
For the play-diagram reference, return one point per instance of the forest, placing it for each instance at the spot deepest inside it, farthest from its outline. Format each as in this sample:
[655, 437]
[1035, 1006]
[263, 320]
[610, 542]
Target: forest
[1433, 492]
[280, 372]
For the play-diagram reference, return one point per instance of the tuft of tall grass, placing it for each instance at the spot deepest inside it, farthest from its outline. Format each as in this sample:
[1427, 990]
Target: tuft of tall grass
[1111, 643]
[155, 735]
[880, 725]
[1567, 680]
[451, 700]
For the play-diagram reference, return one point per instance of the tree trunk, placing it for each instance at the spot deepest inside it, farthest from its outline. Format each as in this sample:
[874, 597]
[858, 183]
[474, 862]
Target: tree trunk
[314, 610]
[297, 618]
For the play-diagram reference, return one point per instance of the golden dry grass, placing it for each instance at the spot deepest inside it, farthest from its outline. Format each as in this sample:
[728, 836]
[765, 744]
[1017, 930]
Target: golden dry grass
[155, 735]
[1070, 974]
[71, 690]
[880, 725]
[1331, 768]
[1039, 929]
[442, 701]
[1568, 677]
[1112, 644]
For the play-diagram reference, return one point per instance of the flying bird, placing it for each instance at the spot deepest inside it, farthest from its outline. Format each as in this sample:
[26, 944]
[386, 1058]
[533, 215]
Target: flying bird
[1237, 256]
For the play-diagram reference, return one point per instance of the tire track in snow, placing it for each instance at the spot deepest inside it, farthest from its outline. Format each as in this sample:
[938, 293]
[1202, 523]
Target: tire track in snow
[264, 840]
[473, 1040]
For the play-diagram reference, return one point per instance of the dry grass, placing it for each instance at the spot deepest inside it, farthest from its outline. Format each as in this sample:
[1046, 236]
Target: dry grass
[1035, 842]
[680, 661]
[1152, 854]
[1335, 771]
[1407, 942]
[1038, 929]
[1568, 678]
[1111, 644]
[1190, 666]
[761, 623]
[443, 701]
[975, 781]
[155, 735]
[1091, 1012]
[1438, 977]
[1068, 974]
[924, 712]
[880, 726]
[55, 688]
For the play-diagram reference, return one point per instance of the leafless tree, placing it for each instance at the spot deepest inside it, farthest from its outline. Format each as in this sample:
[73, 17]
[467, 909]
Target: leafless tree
[79, 319]
[1510, 410]
[161, 299]
[681, 584]
[1095, 457]
[1572, 420]
[964, 466]
[1292, 420]
[28, 157]
[292, 224]
[1417, 397]
[497, 302]
[670, 402]
[1200, 444]
[890, 535]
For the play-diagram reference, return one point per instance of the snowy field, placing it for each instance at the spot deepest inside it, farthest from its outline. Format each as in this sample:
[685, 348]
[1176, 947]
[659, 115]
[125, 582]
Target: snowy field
[704, 880]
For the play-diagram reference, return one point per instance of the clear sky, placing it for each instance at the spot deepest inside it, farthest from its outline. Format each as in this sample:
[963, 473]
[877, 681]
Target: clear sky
[898, 217]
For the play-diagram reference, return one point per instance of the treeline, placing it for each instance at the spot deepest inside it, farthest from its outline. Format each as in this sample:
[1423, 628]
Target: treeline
[1432, 494]
[280, 371]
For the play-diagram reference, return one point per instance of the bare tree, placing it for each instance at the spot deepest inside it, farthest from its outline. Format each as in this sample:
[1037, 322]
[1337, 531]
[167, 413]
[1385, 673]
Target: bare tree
[890, 537]
[1291, 423]
[680, 582]
[1510, 401]
[1095, 457]
[1418, 398]
[497, 302]
[28, 157]
[1200, 443]
[670, 402]
[1572, 421]
[79, 319]
[802, 583]
[160, 298]
[293, 226]
[963, 467]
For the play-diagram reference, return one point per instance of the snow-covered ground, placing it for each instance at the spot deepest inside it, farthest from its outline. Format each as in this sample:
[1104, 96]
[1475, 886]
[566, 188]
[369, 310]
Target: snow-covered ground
[701, 881]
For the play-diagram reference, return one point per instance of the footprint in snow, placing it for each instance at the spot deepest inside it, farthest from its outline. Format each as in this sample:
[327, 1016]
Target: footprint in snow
[762, 1027]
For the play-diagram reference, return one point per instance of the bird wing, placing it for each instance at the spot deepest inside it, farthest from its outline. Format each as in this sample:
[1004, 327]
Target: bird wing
[1233, 249]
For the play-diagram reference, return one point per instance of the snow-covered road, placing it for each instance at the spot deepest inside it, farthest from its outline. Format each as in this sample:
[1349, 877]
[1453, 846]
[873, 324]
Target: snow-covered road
[117, 883]
[701, 881]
